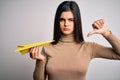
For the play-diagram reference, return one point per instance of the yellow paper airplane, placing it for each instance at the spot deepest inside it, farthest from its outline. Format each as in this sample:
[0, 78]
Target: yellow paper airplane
[23, 49]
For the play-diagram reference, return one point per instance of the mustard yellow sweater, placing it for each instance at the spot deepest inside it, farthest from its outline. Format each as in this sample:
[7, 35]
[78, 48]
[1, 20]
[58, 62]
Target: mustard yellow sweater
[68, 60]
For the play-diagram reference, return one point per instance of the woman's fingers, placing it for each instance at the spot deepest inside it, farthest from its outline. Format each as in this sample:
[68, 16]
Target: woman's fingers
[99, 27]
[101, 21]
[95, 25]
[38, 52]
[31, 52]
[98, 24]
[34, 52]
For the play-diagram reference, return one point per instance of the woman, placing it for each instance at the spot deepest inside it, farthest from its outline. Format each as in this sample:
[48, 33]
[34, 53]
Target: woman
[68, 57]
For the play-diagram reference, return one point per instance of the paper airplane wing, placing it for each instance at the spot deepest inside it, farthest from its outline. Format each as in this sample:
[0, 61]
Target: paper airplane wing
[23, 49]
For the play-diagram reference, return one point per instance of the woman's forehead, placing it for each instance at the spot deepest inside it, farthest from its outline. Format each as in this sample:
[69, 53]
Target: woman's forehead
[67, 14]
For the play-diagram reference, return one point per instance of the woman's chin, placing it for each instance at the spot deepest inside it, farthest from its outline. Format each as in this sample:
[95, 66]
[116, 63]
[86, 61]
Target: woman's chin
[67, 33]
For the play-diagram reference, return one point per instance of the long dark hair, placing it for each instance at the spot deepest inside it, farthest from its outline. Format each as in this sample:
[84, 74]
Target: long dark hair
[73, 7]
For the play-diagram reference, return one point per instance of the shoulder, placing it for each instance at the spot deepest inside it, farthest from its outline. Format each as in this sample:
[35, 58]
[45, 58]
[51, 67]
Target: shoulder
[88, 45]
[48, 47]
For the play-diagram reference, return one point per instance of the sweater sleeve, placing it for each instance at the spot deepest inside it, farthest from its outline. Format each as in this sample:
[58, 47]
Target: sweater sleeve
[100, 51]
[39, 72]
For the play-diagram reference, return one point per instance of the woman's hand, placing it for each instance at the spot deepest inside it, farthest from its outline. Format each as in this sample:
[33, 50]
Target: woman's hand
[35, 54]
[99, 27]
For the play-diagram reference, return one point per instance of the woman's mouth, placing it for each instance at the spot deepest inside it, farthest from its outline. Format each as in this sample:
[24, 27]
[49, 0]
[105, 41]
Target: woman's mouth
[66, 29]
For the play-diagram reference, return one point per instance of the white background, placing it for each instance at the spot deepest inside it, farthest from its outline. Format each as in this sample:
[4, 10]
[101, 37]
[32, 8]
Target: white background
[28, 21]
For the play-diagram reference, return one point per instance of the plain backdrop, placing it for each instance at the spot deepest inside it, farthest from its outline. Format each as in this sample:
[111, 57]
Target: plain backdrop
[28, 21]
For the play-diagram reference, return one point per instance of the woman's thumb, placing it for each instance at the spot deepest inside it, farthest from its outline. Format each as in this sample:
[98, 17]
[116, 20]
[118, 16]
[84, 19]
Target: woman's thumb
[91, 33]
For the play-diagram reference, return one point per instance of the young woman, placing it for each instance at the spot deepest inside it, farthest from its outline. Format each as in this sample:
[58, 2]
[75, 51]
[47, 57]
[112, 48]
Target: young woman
[68, 57]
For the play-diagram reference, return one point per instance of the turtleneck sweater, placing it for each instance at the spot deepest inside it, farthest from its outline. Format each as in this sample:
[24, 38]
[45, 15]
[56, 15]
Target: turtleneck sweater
[68, 60]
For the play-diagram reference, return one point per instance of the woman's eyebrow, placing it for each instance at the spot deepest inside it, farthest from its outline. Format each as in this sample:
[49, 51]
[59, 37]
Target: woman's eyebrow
[66, 18]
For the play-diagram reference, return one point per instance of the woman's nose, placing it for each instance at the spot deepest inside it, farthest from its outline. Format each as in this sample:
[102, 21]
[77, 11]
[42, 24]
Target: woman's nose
[66, 23]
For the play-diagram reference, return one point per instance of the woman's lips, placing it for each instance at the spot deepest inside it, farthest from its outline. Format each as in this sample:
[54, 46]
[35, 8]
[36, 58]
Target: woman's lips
[66, 29]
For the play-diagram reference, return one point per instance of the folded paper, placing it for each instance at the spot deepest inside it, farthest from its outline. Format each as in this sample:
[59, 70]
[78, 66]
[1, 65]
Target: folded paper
[23, 49]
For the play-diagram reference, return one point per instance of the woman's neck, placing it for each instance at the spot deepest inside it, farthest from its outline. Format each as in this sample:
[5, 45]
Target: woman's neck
[67, 38]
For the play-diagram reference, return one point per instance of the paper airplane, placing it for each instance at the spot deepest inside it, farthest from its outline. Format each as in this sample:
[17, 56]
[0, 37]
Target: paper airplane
[23, 49]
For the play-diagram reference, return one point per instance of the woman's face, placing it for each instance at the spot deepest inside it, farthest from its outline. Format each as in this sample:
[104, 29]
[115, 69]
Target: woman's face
[67, 22]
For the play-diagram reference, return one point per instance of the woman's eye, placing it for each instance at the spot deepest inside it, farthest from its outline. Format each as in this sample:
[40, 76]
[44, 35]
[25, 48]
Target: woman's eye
[71, 19]
[61, 19]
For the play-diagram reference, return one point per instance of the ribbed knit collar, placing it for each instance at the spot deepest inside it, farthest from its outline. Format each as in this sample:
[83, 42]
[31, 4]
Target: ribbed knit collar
[67, 38]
